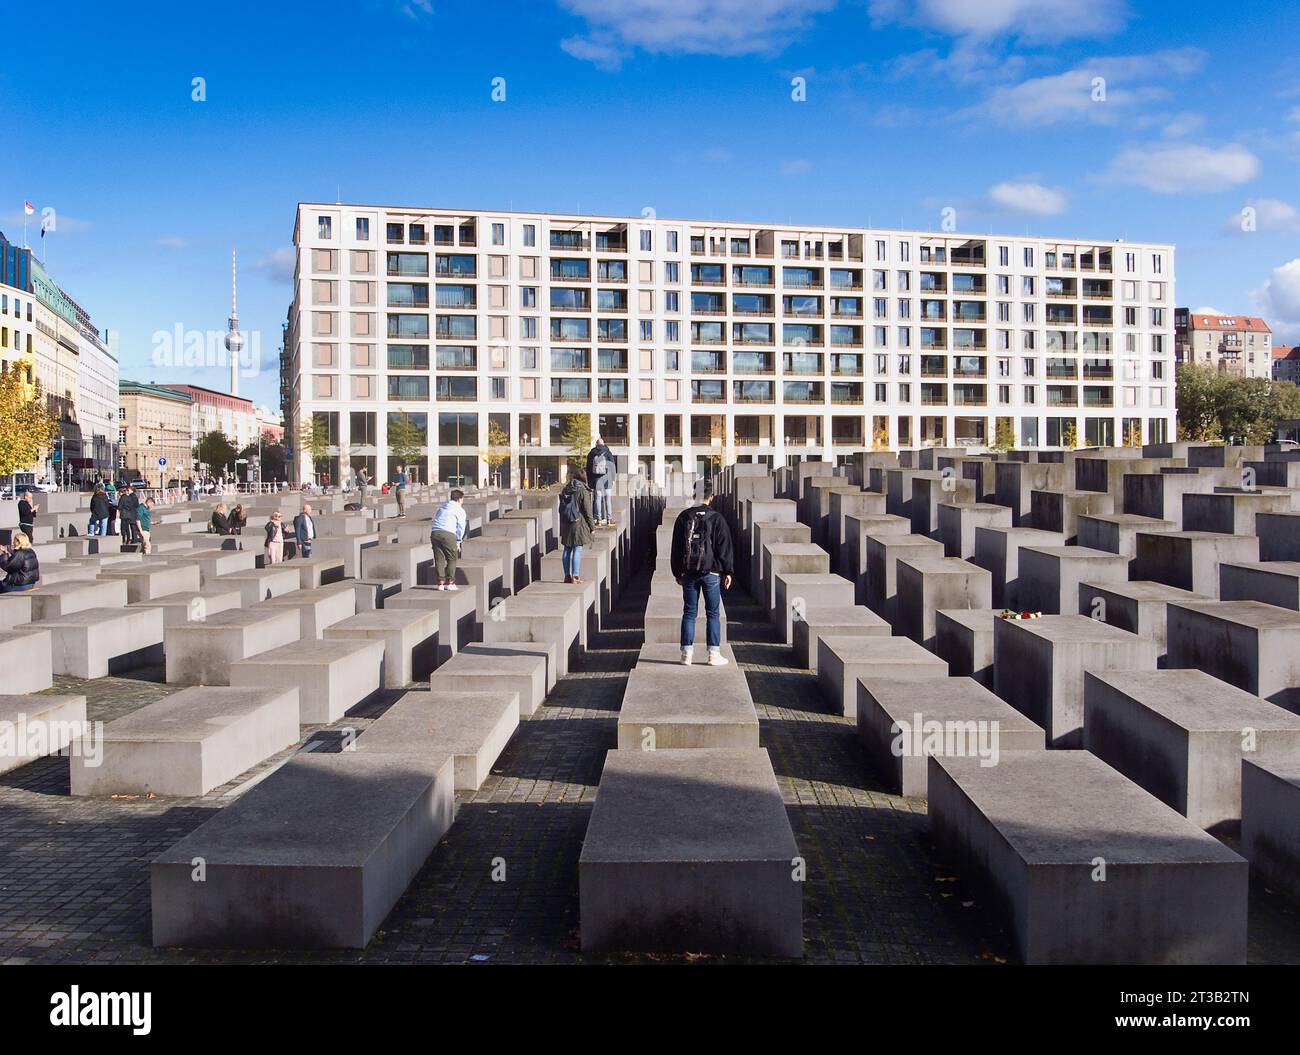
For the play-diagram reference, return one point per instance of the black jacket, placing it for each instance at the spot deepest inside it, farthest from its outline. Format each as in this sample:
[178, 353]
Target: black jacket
[219, 524]
[577, 532]
[723, 561]
[592, 455]
[25, 513]
[99, 505]
[127, 505]
[274, 532]
[21, 568]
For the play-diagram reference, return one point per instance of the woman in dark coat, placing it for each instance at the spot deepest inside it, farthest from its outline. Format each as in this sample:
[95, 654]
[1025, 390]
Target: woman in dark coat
[238, 518]
[575, 531]
[18, 562]
[99, 507]
[220, 522]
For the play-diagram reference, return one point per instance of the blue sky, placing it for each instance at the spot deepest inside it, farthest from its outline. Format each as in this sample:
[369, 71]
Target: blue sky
[613, 106]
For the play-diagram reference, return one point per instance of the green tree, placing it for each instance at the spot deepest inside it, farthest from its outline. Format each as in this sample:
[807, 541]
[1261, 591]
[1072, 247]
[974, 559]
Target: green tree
[314, 439]
[215, 451]
[497, 452]
[406, 439]
[1070, 435]
[1004, 435]
[576, 437]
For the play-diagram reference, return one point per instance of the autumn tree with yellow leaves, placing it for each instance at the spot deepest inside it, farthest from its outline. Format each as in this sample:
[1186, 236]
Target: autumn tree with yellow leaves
[27, 428]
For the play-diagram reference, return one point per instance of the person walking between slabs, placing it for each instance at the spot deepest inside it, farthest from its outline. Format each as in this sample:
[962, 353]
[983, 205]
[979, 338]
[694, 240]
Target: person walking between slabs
[702, 563]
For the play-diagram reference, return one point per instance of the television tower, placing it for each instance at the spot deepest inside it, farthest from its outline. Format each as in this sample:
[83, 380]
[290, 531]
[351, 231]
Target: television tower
[234, 339]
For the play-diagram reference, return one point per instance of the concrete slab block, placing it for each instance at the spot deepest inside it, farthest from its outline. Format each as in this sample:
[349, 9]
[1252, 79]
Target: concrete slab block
[690, 850]
[470, 671]
[1029, 834]
[474, 726]
[317, 608]
[188, 743]
[957, 525]
[544, 650]
[458, 623]
[1139, 607]
[328, 677]
[841, 661]
[410, 638]
[150, 581]
[33, 726]
[667, 706]
[1270, 822]
[1038, 667]
[201, 653]
[1273, 582]
[1183, 735]
[261, 584]
[902, 723]
[1251, 645]
[963, 638]
[1050, 576]
[926, 584]
[798, 594]
[314, 857]
[1190, 559]
[99, 641]
[75, 595]
[822, 621]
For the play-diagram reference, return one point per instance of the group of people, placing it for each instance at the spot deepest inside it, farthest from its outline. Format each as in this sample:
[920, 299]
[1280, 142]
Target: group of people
[233, 521]
[121, 512]
[702, 558]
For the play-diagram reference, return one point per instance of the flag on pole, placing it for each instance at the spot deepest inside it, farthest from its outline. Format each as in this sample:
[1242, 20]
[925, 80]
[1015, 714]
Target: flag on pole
[29, 209]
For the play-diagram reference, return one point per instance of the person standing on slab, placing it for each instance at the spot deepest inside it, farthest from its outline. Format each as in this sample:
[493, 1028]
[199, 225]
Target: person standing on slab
[702, 563]
[144, 521]
[400, 487]
[304, 530]
[600, 478]
[27, 514]
[576, 524]
[449, 527]
[127, 507]
[275, 539]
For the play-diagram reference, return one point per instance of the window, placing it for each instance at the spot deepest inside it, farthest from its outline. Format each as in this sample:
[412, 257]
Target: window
[498, 234]
[647, 330]
[530, 235]
[324, 228]
[647, 240]
[672, 241]
[528, 297]
[497, 388]
[1004, 256]
[672, 301]
[672, 271]
[1029, 257]
[402, 388]
[528, 358]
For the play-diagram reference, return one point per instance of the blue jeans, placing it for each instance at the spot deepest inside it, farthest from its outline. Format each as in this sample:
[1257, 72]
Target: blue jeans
[603, 491]
[711, 585]
[571, 560]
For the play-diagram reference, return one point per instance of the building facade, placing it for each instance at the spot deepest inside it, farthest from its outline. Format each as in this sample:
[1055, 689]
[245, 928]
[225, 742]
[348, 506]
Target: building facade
[699, 342]
[1232, 344]
[17, 311]
[1286, 363]
[155, 422]
[213, 411]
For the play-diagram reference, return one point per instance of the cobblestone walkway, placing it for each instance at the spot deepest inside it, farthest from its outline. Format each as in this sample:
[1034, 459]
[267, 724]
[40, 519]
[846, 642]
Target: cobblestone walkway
[74, 873]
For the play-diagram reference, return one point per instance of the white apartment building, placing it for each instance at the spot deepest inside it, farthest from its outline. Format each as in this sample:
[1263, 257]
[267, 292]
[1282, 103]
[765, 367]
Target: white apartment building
[694, 342]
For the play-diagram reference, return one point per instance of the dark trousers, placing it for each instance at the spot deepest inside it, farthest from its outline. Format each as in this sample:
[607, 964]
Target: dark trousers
[445, 552]
[130, 530]
[711, 586]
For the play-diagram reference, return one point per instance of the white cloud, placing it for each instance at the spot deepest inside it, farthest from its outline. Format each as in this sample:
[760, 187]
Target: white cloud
[1029, 199]
[796, 167]
[1281, 293]
[1033, 21]
[173, 241]
[416, 9]
[1206, 311]
[1183, 168]
[617, 28]
[1270, 214]
[278, 264]
[1129, 82]
[1184, 124]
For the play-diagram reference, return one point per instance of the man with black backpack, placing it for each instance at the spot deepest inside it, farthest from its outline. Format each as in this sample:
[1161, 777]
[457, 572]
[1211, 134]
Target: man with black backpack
[702, 563]
[600, 478]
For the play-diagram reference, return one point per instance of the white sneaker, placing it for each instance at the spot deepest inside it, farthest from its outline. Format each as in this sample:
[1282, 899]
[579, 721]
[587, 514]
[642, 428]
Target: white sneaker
[451, 587]
[686, 656]
[717, 659]
[442, 586]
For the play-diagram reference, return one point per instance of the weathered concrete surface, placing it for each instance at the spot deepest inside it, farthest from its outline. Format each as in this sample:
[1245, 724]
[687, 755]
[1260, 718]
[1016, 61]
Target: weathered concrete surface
[1183, 735]
[833, 621]
[841, 661]
[1031, 833]
[1251, 645]
[690, 850]
[329, 677]
[201, 653]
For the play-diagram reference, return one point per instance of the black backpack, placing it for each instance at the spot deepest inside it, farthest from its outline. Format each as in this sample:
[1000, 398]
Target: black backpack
[570, 508]
[697, 553]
